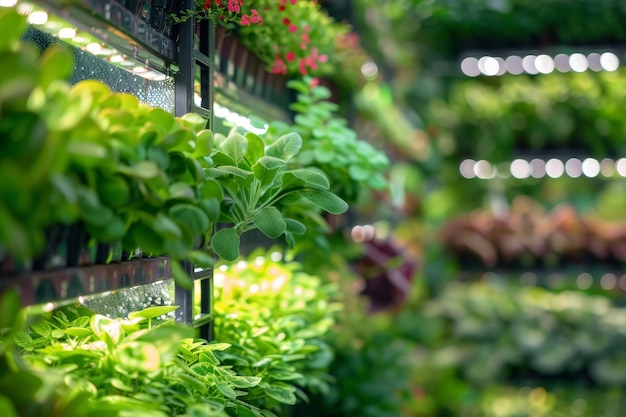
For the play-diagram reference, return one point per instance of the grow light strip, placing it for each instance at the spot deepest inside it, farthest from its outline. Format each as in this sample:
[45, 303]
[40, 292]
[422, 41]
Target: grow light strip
[539, 168]
[539, 64]
[65, 31]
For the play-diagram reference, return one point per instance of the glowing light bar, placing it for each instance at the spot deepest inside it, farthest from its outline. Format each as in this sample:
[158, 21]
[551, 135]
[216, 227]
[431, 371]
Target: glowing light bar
[537, 168]
[539, 64]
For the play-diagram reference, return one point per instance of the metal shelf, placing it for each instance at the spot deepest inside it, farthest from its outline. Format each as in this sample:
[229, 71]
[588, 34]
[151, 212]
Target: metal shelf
[39, 287]
[119, 28]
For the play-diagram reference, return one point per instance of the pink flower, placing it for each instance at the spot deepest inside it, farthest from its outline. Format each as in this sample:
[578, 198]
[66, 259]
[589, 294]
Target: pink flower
[302, 67]
[245, 20]
[305, 37]
[293, 28]
[290, 56]
[303, 46]
[279, 67]
[293, 1]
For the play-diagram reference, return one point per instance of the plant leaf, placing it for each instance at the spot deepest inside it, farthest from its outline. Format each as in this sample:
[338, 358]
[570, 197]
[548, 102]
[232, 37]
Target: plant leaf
[256, 148]
[235, 146]
[281, 392]
[269, 220]
[225, 243]
[306, 178]
[325, 200]
[266, 168]
[191, 217]
[285, 146]
[295, 227]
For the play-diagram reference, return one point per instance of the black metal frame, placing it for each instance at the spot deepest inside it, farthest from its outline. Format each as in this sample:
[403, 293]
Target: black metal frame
[191, 60]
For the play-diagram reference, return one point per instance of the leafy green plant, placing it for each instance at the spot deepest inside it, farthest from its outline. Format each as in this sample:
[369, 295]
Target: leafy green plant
[144, 363]
[354, 167]
[258, 185]
[278, 320]
[493, 333]
[126, 172]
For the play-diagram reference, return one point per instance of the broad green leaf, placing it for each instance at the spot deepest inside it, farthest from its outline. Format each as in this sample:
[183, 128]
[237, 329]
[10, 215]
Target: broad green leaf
[138, 356]
[204, 410]
[162, 120]
[120, 385]
[191, 217]
[269, 220]
[113, 230]
[196, 170]
[140, 235]
[245, 381]
[152, 312]
[285, 147]
[113, 190]
[193, 121]
[180, 140]
[221, 158]
[227, 169]
[295, 227]
[225, 243]
[192, 383]
[320, 93]
[211, 189]
[281, 392]
[285, 375]
[78, 332]
[217, 346]
[166, 227]
[181, 191]
[42, 328]
[235, 146]
[159, 156]
[226, 390]
[144, 170]
[304, 178]
[211, 207]
[204, 144]
[325, 200]
[266, 168]
[256, 148]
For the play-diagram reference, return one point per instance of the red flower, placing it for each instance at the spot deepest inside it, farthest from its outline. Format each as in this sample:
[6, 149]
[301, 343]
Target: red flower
[293, 28]
[286, 21]
[207, 5]
[290, 56]
[279, 67]
[281, 8]
[245, 20]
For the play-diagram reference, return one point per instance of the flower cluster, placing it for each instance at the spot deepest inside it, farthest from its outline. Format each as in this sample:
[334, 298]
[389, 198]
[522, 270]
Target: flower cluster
[223, 12]
[298, 37]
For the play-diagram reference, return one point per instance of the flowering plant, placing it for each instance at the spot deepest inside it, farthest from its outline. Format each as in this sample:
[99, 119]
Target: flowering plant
[296, 37]
[222, 12]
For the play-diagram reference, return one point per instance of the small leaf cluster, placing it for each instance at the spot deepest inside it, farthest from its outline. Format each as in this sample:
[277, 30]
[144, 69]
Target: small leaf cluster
[353, 166]
[144, 363]
[278, 321]
[493, 333]
[258, 184]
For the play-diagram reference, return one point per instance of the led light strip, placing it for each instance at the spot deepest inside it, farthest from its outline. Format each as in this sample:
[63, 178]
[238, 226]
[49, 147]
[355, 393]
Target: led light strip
[539, 168]
[82, 40]
[539, 64]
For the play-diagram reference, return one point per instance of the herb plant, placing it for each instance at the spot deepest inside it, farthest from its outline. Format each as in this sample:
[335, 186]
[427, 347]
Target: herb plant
[257, 186]
[278, 320]
[145, 364]
[354, 167]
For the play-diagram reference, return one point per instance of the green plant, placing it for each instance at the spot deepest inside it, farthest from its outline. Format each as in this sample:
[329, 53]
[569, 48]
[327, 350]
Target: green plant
[227, 13]
[144, 363]
[258, 185]
[278, 320]
[354, 166]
